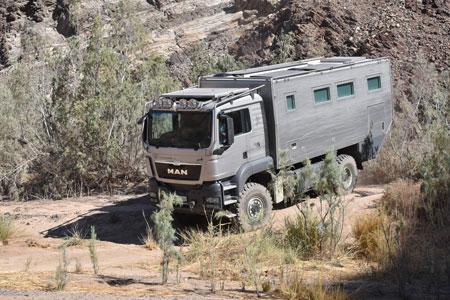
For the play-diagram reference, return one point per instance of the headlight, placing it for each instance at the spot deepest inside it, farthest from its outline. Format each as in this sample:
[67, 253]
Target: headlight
[153, 195]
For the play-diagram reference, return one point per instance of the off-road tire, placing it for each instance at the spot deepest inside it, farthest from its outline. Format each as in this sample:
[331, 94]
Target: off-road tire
[254, 207]
[349, 172]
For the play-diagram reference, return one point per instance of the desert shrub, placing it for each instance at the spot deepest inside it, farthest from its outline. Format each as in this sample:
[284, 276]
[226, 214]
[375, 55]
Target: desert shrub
[303, 234]
[69, 124]
[318, 231]
[416, 119]
[284, 181]
[60, 278]
[256, 253]
[367, 231]
[204, 248]
[93, 250]
[165, 233]
[7, 228]
[285, 48]
[403, 200]
[436, 179]
[416, 241]
[74, 238]
[331, 207]
[205, 62]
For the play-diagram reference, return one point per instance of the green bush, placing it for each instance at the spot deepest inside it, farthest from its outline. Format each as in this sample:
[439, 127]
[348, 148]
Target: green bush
[204, 62]
[69, 126]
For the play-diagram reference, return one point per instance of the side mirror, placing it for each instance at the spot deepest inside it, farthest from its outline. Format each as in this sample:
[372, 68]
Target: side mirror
[230, 131]
[140, 120]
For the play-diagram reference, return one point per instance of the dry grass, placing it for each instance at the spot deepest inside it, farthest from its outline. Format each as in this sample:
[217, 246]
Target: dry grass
[224, 254]
[78, 267]
[295, 287]
[303, 234]
[149, 242]
[74, 238]
[369, 237]
[403, 199]
[60, 278]
[405, 240]
[7, 229]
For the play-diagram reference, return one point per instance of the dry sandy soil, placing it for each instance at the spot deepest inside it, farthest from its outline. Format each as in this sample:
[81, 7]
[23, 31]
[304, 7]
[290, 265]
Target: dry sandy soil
[127, 269]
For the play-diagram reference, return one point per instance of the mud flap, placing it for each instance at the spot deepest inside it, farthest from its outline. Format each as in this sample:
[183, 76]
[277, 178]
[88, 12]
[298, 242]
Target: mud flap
[279, 191]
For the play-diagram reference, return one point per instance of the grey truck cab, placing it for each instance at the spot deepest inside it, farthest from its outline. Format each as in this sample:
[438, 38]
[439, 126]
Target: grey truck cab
[216, 144]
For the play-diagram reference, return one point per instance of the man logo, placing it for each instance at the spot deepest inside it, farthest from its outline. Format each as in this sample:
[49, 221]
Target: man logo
[177, 172]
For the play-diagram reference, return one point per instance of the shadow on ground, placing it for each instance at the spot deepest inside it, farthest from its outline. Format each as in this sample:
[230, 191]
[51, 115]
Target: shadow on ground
[122, 222]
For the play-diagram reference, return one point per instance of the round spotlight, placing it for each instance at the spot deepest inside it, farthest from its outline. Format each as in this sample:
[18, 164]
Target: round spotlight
[192, 104]
[167, 103]
[182, 103]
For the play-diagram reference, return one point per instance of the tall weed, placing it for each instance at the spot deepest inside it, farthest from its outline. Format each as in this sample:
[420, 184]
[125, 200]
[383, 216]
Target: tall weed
[165, 233]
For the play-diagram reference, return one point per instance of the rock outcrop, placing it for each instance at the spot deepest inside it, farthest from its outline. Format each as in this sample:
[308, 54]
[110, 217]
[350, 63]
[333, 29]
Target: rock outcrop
[401, 30]
[249, 29]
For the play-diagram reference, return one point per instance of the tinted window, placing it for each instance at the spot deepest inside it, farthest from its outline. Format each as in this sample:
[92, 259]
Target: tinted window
[374, 83]
[322, 95]
[345, 90]
[241, 121]
[179, 129]
[290, 101]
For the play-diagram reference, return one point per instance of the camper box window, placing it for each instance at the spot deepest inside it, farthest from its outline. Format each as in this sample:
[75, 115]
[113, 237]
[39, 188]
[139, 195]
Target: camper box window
[374, 83]
[345, 90]
[290, 102]
[322, 95]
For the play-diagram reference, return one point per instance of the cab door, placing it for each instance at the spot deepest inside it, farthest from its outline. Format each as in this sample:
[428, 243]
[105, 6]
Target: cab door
[237, 154]
[256, 139]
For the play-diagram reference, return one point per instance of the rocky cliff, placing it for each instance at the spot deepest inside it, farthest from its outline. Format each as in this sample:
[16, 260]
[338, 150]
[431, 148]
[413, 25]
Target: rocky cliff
[172, 24]
[249, 29]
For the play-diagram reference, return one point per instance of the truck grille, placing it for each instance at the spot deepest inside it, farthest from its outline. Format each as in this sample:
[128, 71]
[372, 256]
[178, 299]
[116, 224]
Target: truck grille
[183, 172]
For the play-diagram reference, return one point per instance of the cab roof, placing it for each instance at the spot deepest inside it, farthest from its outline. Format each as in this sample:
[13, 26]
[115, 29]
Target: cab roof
[205, 93]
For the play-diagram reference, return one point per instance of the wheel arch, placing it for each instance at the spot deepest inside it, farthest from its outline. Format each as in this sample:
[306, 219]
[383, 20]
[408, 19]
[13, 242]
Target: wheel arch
[257, 170]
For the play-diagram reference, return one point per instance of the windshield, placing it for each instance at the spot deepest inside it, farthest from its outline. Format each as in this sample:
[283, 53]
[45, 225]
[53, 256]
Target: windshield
[184, 129]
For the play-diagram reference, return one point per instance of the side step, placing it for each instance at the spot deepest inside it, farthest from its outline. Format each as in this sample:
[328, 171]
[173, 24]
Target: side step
[229, 200]
[228, 187]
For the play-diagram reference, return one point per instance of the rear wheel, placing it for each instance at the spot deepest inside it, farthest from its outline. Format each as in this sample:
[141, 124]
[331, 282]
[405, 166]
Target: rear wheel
[349, 172]
[254, 207]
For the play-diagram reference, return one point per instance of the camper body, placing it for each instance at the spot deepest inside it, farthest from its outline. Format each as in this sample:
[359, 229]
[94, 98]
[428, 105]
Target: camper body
[217, 145]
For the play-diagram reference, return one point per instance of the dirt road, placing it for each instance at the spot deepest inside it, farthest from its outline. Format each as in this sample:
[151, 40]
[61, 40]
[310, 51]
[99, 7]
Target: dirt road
[29, 261]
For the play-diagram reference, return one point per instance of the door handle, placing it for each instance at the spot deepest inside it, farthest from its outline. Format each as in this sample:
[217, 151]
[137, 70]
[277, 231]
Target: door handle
[245, 155]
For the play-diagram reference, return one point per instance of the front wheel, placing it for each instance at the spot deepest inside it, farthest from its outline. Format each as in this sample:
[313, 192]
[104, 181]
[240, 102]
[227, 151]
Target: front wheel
[349, 172]
[254, 206]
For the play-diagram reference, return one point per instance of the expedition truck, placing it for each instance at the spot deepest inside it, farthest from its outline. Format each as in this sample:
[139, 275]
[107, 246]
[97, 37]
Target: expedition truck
[215, 145]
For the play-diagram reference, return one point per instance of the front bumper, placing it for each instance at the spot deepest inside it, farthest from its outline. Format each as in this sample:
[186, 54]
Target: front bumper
[196, 199]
